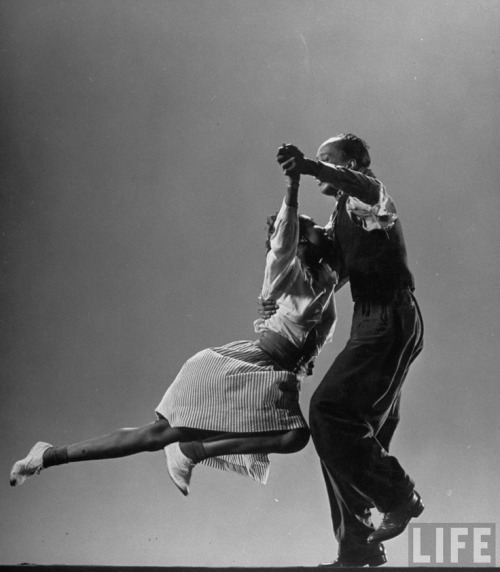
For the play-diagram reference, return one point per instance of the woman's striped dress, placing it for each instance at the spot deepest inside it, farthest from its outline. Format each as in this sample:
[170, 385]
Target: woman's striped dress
[234, 388]
[238, 388]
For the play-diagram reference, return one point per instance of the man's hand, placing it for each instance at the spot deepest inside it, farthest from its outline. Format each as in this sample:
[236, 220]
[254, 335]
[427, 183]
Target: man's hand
[293, 162]
[266, 308]
[287, 157]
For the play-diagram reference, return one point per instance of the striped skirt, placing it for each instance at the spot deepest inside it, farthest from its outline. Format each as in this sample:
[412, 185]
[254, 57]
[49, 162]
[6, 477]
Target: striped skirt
[235, 388]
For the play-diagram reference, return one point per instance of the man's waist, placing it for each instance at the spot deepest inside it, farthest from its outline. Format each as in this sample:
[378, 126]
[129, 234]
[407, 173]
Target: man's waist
[380, 287]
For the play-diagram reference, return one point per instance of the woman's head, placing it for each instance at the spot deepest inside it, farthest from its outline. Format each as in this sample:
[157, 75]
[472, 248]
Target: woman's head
[313, 242]
[309, 231]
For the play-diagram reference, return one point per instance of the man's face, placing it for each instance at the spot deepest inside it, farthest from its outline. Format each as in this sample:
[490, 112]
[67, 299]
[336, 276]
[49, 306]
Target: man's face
[330, 153]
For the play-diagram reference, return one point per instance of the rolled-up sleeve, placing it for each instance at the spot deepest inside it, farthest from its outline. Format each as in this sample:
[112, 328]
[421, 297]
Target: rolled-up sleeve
[352, 183]
[286, 232]
[281, 259]
[367, 198]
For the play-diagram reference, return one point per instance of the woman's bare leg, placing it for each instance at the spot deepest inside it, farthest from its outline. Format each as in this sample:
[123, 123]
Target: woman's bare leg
[127, 441]
[282, 442]
[120, 443]
[123, 442]
[196, 446]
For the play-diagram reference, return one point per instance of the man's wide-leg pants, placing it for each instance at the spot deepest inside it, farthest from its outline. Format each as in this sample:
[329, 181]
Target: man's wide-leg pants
[355, 411]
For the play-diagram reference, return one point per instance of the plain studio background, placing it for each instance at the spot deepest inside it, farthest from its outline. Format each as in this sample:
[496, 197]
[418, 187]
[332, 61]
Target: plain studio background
[138, 167]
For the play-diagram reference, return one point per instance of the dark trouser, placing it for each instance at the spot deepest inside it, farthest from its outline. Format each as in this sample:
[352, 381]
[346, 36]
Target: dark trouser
[354, 413]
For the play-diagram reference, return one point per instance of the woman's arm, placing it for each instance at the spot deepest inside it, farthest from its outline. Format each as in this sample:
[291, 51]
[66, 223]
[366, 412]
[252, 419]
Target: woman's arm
[285, 237]
[292, 191]
[282, 257]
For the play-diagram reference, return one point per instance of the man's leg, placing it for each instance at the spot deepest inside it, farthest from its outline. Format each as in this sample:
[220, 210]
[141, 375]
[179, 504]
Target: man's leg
[351, 518]
[387, 430]
[356, 397]
[351, 512]
[352, 405]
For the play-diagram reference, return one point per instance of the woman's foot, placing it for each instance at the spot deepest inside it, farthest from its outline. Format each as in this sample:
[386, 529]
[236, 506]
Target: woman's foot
[31, 465]
[179, 467]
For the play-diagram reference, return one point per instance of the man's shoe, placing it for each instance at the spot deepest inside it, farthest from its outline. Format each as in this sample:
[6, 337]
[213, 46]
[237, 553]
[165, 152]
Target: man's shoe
[179, 467]
[31, 465]
[371, 560]
[395, 521]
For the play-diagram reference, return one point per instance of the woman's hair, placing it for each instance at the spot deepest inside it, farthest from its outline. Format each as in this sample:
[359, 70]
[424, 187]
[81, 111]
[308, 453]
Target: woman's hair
[270, 222]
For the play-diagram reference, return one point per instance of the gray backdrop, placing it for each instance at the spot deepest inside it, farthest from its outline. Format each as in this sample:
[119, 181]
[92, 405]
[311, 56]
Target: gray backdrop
[138, 165]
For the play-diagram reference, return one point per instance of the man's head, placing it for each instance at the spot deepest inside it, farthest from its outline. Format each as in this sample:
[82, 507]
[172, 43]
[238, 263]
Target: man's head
[344, 150]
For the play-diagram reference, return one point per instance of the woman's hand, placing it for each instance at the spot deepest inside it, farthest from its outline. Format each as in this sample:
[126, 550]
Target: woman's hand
[294, 163]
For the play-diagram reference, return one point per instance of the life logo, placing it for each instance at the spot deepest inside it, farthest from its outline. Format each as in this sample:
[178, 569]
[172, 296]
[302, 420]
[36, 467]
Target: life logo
[461, 544]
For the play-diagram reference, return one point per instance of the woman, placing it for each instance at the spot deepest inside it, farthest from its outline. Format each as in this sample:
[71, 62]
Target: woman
[229, 407]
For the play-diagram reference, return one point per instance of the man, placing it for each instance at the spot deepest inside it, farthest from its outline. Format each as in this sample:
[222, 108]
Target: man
[355, 409]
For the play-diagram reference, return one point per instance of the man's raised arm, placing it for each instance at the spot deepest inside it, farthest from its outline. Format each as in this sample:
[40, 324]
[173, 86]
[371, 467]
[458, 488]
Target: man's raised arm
[354, 183]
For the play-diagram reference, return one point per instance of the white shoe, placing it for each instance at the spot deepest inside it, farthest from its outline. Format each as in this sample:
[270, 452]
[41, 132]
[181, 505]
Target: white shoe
[179, 467]
[31, 465]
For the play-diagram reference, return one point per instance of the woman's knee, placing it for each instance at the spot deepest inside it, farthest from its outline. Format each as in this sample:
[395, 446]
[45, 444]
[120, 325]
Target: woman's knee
[294, 440]
[158, 434]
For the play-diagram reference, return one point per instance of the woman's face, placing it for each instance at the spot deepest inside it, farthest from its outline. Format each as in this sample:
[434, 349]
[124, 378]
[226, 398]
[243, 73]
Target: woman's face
[311, 236]
[310, 231]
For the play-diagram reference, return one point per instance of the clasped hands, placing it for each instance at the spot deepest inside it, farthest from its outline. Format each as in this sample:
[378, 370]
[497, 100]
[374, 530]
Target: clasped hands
[294, 163]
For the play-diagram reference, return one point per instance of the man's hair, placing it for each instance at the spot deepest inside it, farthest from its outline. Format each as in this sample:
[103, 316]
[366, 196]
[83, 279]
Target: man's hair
[353, 147]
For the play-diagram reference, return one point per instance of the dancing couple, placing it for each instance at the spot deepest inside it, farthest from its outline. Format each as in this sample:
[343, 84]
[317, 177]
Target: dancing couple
[231, 406]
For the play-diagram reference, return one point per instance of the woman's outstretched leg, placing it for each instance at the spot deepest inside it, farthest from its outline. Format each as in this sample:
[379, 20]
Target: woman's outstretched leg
[195, 446]
[125, 442]
[120, 443]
